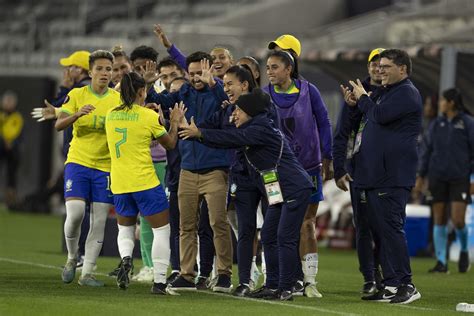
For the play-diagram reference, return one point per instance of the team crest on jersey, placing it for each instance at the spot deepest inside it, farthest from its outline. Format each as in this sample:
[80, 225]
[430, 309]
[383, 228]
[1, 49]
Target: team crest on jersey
[68, 185]
[459, 125]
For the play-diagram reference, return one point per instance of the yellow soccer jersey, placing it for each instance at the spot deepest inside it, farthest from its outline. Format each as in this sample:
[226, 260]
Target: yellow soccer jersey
[129, 135]
[89, 142]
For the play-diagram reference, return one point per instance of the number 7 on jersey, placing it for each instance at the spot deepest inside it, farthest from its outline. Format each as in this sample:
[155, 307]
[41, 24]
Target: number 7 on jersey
[122, 131]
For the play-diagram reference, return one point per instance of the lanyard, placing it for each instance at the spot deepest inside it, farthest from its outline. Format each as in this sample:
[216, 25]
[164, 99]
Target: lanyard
[277, 162]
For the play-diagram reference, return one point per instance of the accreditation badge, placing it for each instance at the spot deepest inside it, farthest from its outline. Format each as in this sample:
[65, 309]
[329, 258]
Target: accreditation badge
[272, 186]
[358, 138]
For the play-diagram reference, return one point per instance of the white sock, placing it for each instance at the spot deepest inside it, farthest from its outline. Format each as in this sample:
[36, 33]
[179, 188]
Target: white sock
[253, 269]
[214, 273]
[126, 240]
[264, 268]
[160, 252]
[75, 210]
[95, 238]
[310, 267]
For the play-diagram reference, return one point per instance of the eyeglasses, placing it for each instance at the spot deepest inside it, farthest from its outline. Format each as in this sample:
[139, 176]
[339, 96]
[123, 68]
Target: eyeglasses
[384, 67]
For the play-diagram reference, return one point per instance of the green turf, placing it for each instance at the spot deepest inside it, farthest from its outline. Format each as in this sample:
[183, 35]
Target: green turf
[36, 288]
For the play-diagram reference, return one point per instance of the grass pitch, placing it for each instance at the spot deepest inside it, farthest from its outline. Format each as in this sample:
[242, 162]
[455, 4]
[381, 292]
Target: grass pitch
[30, 284]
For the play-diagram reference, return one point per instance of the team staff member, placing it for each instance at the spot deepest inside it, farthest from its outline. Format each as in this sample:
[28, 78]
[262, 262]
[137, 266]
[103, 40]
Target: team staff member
[304, 119]
[348, 125]
[86, 174]
[287, 186]
[447, 161]
[130, 129]
[386, 168]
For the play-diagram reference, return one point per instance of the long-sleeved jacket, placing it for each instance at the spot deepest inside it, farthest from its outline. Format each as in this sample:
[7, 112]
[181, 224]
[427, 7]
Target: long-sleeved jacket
[388, 152]
[262, 144]
[448, 148]
[201, 105]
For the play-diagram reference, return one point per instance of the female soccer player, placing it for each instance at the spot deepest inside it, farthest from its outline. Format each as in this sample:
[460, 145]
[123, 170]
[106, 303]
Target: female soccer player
[304, 120]
[130, 130]
[86, 174]
[448, 161]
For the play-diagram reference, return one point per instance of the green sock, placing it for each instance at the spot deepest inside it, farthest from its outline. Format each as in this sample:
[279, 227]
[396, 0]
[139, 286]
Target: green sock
[146, 241]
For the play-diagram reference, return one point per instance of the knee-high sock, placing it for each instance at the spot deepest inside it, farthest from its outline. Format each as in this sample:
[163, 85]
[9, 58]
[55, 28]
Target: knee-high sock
[146, 241]
[160, 252]
[440, 237]
[264, 267]
[75, 210]
[95, 238]
[126, 240]
[310, 267]
[461, 234]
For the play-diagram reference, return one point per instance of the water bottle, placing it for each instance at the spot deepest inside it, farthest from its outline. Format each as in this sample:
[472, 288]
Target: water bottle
[465, 307]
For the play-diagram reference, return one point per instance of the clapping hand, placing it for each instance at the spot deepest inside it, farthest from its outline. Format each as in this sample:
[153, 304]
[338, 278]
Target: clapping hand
[358, 89]
[349, 96]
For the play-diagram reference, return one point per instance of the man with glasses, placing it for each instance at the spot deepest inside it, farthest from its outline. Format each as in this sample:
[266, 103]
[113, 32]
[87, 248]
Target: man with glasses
[386, 160]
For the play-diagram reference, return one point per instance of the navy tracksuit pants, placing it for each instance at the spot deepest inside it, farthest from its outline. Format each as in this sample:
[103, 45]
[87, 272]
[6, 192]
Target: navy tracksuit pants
[280, 238]
[386, 212]
[367, 247]
[174, 230]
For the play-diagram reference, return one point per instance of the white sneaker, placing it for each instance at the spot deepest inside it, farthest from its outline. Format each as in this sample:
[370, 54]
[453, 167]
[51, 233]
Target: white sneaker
[310, 290]
[145, 275]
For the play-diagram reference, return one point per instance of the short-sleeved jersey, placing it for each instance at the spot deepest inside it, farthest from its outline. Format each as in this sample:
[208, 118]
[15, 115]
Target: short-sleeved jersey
[89, 142]
[129, 135]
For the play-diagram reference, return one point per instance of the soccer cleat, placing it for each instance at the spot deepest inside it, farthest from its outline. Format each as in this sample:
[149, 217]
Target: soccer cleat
[369, 288]
[223, 285]
[145, 275]
[310, 290]
[173, 276]
[464, 265]
[286, 296]
[243, 290]
[384, 296]
[406, 293]
[298, 288]
[202, 283]
[90, 280]
[69, 271]
[162, 289]
[263, 292]
[123, 276]
[439, 268]
[181, 284]
[116, 270]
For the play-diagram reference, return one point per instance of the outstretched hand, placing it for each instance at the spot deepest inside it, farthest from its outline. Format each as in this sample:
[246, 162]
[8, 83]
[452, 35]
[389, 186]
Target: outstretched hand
[43, 114]
[191, 131]
[150, 75]
[177, 113]
[207, 71]
[160, 34]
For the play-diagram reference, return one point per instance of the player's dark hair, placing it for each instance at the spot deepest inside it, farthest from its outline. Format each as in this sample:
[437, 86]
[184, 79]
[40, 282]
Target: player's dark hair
[197, 57]
[168, 62]
[145, 52]
[255, 64]
[100, 54]
[288, 60]
[455, 96]
[129, 86]
[243, 73]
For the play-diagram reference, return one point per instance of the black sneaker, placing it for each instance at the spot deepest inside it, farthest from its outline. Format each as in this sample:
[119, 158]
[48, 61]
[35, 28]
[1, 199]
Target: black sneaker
[181, 284]
[263, 292]
[123, 275]
[286, 296]
[439, 268]
[464, 265]
[298, 288]
[173, 276]
[385, 296]
[406, 293]
[223, 285]
[369, 288]
[243, 290]
[202, 283]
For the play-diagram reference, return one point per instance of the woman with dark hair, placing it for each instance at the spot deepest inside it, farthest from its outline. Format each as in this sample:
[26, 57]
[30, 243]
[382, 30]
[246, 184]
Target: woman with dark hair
[304, 119]
[268, 168]
[447, 160]
[130, 130]
[254, 67]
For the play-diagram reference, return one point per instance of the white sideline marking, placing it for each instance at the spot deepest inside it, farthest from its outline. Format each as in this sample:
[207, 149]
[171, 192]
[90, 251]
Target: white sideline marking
[323, 310]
